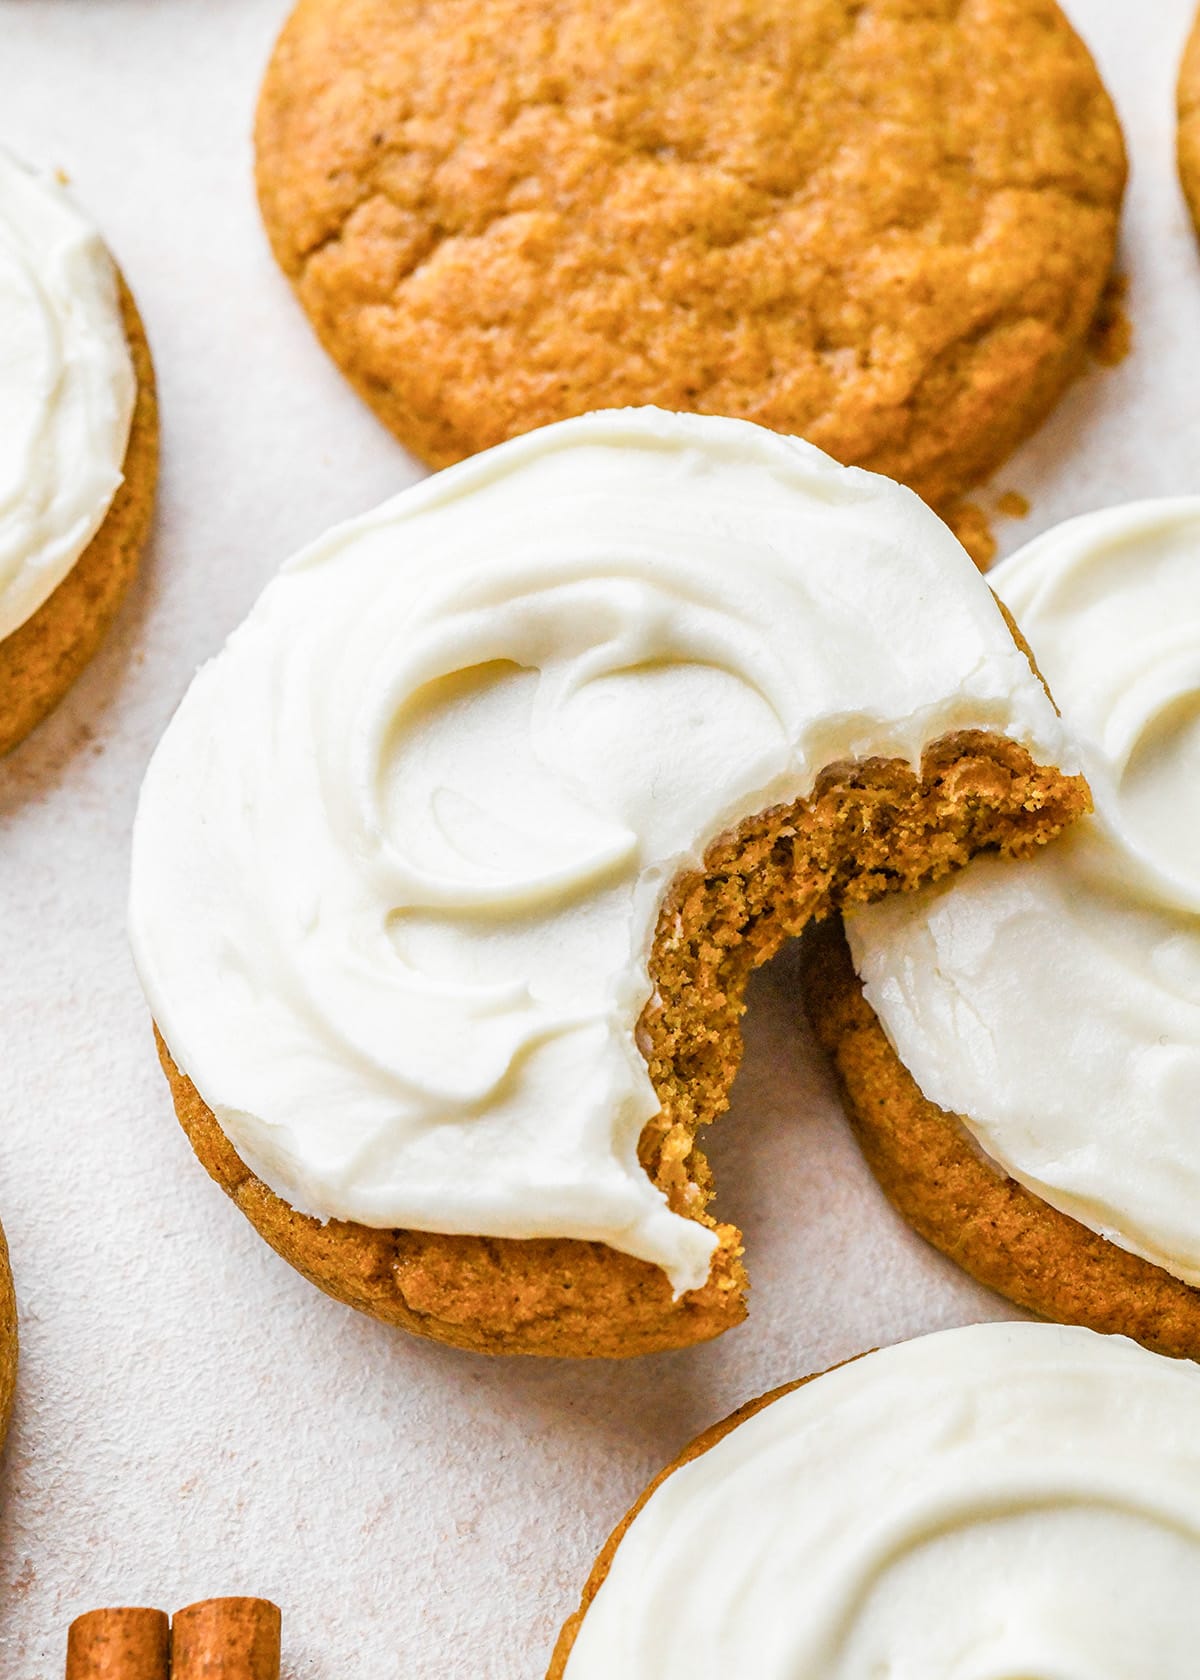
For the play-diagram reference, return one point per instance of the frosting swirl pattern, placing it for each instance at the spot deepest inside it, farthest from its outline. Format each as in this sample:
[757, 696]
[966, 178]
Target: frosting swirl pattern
[399, 857]
[67, 388]
[1055, 1003]
[1004, 1502]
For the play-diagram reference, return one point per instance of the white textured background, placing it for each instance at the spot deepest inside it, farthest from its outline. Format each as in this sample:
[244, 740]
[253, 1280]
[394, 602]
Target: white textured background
[193, 1418]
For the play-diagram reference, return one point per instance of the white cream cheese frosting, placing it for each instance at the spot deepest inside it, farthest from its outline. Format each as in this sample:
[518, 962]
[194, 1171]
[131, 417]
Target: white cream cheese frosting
[1055, 1003]
[399, 857]
[67, 388]
[1004, 1502]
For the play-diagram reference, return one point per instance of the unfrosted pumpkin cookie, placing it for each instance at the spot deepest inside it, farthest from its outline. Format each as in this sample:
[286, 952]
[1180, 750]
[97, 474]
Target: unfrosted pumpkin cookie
[883, 226]
[1188, 105]
[449, 872]
[1021, 1059]
[1002, 1501]
[78, 444]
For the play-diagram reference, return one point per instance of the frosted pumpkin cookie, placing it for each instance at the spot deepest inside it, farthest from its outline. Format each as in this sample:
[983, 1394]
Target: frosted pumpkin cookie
[1003, 1501]
[450, 870]
[78, 444]
[884, 227]
[1022, 1061]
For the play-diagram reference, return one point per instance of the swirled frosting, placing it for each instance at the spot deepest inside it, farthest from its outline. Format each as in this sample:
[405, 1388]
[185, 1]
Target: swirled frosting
[67, 388]
[400, 855]
[1055, 1005]
[1005, 1502]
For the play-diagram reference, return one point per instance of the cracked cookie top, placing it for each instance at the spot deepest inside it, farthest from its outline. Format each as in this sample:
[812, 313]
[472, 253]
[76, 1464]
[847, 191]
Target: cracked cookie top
[881, 224]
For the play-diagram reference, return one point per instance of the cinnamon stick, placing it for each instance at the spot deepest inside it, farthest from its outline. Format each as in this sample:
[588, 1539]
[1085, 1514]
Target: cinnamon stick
[121, 1644]
[226, 1639]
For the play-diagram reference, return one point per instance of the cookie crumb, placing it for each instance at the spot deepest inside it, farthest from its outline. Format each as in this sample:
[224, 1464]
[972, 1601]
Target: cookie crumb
[1012, 505]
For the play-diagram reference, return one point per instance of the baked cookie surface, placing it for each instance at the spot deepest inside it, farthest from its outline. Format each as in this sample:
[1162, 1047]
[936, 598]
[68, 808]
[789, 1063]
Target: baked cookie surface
[532, 766]
[882, 226]
[990, 1500]
[40, 660]
[1021, 1058]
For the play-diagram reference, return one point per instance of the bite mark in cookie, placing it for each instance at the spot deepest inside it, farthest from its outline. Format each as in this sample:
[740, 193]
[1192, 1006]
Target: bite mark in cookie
[532, 766]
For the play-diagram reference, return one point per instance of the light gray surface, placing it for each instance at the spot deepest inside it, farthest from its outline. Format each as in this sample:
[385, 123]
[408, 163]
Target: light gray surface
[193, 1418]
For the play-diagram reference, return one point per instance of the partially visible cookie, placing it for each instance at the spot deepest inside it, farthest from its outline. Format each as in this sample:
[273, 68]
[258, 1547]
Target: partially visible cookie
[998, 1500]
[1022, 1058]
[936, 1177]
[8, 1339]
[81, 449]
[883, 227]
[1188, 108]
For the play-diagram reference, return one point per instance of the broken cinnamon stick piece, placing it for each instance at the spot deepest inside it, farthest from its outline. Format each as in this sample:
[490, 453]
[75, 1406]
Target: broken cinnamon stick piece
[226, 1639]
[120, 1644]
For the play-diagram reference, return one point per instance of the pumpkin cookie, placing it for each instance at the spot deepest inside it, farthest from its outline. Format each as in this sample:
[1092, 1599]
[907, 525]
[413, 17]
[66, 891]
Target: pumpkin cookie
[80, 445]
[1022, 1058]
[450, 871]
[882, 226]
[8, 1339]
[1001, 1500]
[1188, 106]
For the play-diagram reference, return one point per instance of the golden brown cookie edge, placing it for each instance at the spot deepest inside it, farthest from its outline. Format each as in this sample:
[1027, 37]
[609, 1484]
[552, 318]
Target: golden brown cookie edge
[554, 1297]
[562, 1297]
[9, 1339]
[1187, 106]
[1000, 1233]
[703, 1442]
